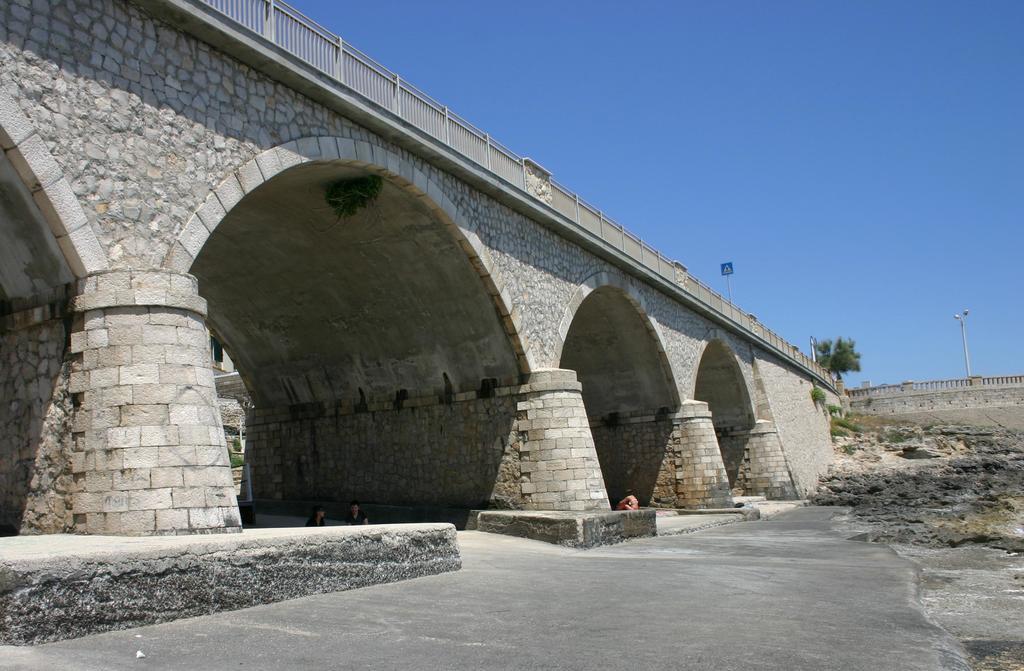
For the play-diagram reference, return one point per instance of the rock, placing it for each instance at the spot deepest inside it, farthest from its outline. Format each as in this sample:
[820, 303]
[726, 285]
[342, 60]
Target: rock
[917, 452]
[953, 487]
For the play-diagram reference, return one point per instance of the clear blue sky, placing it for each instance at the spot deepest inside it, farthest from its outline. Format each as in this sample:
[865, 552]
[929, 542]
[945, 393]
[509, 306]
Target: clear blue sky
[861, 163]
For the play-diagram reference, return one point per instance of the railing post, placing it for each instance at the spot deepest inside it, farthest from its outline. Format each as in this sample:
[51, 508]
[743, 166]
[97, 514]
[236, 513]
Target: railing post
[269, 30]
[576, 198]
[339, 62]
[487, 149]
[397, 102]
[447, 127]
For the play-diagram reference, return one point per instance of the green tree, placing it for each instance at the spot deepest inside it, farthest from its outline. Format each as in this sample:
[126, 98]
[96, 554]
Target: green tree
[839, 357]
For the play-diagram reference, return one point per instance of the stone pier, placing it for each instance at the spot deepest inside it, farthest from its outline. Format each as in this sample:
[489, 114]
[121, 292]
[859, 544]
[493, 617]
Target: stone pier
[560, 469]
[764, 471]
[701, 481]
[148, 453]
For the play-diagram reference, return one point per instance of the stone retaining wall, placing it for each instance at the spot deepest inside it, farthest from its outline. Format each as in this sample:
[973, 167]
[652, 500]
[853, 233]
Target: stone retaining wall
[634, 454]
[937, 403]
[802, 425]
[462, 454]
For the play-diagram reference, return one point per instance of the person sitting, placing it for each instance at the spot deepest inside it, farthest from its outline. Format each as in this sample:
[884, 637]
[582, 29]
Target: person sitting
[630, 502]
[355, 515]
[317, 518]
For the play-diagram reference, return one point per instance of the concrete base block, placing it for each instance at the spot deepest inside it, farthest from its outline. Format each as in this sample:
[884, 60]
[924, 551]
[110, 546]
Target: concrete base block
[62, 586]
[746, 512]
[677, 525]
[572, 529]
[769, 509]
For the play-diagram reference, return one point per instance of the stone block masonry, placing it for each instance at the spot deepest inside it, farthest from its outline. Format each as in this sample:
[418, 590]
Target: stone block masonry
[558, 459]
[461, 454]
[148, 451]
[701, 481]
[35, 472]
[635, 455]
[764, 471]
[523, 447]
[802, 426]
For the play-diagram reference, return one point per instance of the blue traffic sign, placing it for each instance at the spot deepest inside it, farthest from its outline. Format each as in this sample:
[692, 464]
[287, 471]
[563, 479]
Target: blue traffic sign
[727, 268]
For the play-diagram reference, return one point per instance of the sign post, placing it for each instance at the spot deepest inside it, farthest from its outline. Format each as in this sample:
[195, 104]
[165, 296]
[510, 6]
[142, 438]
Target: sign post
[727, 271]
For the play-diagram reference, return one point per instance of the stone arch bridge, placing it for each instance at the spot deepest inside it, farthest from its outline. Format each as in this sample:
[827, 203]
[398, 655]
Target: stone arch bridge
[476, 336]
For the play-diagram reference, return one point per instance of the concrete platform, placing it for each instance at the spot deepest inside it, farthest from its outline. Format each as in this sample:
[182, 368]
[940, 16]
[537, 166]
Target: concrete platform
[570, 529]
[675, 525]
[769, 509]
[788, 594]
[63, 586]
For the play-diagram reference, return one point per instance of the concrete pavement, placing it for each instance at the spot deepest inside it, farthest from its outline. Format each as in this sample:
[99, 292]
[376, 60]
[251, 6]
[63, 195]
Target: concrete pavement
[788, 593]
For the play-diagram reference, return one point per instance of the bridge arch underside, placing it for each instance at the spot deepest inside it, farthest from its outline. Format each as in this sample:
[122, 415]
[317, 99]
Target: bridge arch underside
[628, 394]
[720, 384]
[34, 404]
[376, 359]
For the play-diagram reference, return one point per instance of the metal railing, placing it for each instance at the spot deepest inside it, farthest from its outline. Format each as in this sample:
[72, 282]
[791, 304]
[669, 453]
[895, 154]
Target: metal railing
[307, 40]
[937, 385]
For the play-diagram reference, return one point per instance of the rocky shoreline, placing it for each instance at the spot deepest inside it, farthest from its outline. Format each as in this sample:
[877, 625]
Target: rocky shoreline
[951, 499]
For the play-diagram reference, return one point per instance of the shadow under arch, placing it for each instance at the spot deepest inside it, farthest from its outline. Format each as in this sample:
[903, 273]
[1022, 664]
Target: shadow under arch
[628, 389]
[374, 159]
[377, 348]
[46, 244]
[719, 382]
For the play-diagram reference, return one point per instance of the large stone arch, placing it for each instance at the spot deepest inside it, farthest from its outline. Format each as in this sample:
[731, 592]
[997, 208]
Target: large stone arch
[608, 337]
[373, 382]
[374, 158]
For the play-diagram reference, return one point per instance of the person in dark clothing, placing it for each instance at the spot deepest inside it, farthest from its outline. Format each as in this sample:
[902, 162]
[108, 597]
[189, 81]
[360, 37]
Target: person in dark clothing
[317, 518]
[355, 515]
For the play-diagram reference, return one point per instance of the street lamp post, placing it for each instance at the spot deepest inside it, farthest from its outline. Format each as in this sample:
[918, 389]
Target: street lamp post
[962, 318]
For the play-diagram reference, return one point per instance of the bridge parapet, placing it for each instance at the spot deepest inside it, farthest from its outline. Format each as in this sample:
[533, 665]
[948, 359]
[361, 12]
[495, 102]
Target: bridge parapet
[314, 46]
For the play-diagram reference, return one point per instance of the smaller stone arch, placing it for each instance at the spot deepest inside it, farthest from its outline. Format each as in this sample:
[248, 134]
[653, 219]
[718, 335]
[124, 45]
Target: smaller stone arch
[718, 379]
[386, 162]
[627, 287]
[51, 190]
[608, 338]
[719, 382]
[751, 453]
